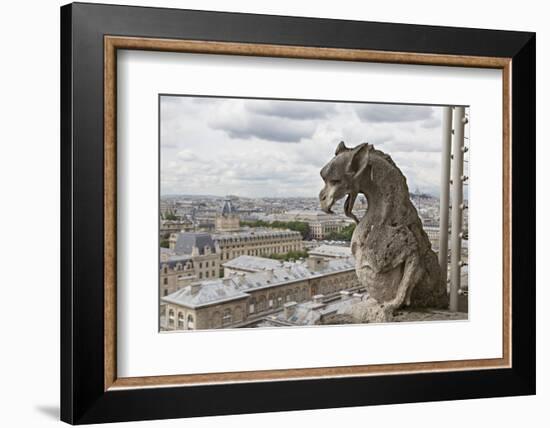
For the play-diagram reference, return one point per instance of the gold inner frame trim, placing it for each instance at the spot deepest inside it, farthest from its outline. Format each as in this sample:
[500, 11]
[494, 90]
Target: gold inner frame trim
[113, 43]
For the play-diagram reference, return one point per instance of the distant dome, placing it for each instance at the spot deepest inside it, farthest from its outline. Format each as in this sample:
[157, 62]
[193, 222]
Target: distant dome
[228, 208]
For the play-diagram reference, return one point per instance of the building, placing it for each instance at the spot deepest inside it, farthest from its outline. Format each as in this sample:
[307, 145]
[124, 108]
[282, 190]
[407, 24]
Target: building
[433, 234]
[322, 229]
[320, 310]
[175, 272]
[191, 256]
[249, 264]
[320, 224]
[257, 242]
[167, 227]
[331, 251]
[228, 219]
[243, 298]
[202, 253]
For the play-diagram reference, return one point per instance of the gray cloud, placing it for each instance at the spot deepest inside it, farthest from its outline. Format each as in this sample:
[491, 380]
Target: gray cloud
[387, 113]
[410, 146]
[264, 128]
[233, 146]
[291, 109]
[433, 122]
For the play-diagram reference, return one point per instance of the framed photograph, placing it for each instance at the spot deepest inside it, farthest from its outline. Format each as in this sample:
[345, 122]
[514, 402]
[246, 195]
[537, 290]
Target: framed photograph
[277, 213]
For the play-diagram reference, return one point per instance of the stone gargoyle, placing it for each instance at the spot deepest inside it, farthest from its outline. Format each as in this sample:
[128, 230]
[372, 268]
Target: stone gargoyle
[393, 254]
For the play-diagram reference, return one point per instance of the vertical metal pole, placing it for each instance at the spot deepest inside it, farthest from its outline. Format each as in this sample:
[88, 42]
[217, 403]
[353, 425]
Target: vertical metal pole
[457, 204]
[444, 190]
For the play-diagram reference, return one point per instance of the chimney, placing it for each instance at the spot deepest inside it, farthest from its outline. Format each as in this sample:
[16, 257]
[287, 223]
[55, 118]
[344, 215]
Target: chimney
[316, 263]
[195, 251]
[226, 281]
[240, 277]
[195, 288]
[318, 298]
[290, 309]
[269, 274]
[344, 294]
[172, 241]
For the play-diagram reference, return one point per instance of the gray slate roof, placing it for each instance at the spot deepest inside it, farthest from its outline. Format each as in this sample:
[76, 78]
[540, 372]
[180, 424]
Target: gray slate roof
[187, 240]
[331, 251]
[213, 291]
[228, 208]
[252, 263]
[309, 313]
[237, 286]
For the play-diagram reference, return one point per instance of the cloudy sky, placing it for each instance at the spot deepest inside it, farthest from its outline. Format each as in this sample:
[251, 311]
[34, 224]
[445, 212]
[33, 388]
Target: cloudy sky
[257, 148]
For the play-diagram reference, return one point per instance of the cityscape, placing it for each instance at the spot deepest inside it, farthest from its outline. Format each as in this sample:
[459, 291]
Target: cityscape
[244, 240]
[234, 262]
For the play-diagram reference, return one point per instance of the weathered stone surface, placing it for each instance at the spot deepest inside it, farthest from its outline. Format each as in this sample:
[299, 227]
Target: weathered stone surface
[405, 315]
[394, 258]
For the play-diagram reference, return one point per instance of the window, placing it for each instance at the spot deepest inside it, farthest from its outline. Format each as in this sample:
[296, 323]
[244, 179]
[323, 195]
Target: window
[200, 275]
[227, 316]
[171, 317]
[200, 265]
[190, 322]
[206, 264]
[180, 320]
[261, 304]
[165, 292]
[213, 273]
[207, 274]
[165, 281]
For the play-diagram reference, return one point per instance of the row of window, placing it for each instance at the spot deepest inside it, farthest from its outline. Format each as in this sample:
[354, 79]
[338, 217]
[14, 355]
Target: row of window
[226, 317]
[274, 301]
[259, 252]
[181, 320]
[177, 267]
[206, 264]
[188, 266]
[260, 238]
[207, 274]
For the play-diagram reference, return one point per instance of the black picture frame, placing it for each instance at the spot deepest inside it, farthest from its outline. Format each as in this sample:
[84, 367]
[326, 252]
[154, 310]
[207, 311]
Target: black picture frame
[83, 398]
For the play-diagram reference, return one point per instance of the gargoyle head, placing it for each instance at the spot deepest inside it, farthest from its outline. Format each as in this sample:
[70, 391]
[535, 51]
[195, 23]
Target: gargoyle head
[342, 176]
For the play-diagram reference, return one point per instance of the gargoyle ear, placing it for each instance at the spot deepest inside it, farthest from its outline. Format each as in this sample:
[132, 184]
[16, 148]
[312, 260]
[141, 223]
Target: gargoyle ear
[341, 148]
[359, 159]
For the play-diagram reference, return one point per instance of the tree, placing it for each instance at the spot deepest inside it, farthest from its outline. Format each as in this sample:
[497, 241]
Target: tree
[294, 255]
[298, 226]
[344, 235]
[170, 215]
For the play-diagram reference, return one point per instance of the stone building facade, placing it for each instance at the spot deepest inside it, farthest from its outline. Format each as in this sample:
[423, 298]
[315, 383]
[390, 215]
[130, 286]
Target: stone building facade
[228, 219]
[323, 228]
[192, 256]
[257, 242]
[241, 298]
[320, 224]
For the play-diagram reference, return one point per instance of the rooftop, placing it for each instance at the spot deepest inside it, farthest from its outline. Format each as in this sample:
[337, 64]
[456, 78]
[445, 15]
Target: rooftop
[228, 208]
[254, 232]
[237, 285]
[252, 263]
[208, 292]
[187, 240]
[331, 251]
[310, 313]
